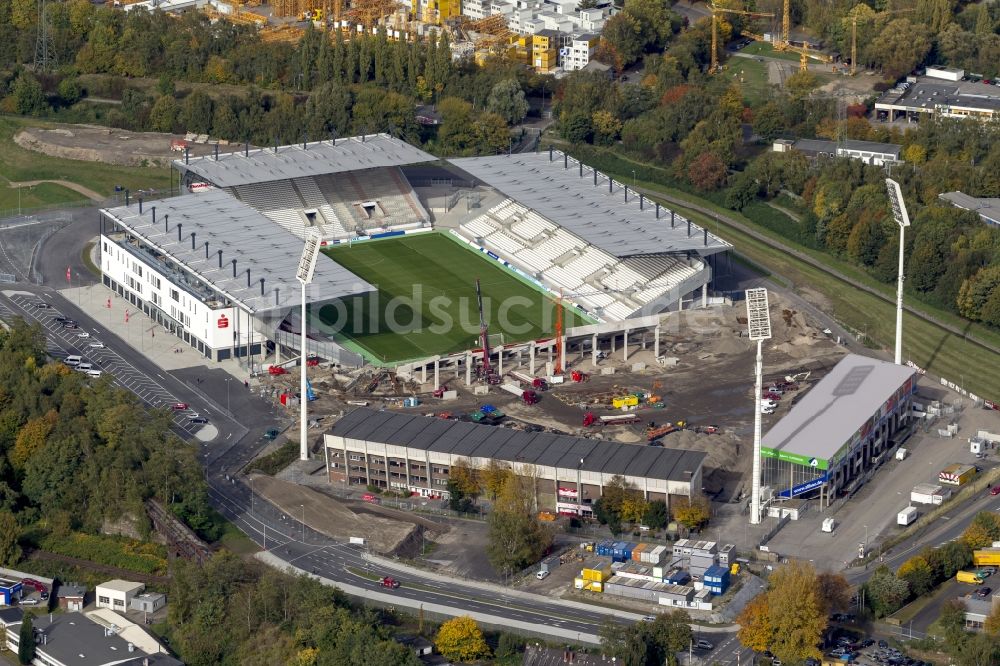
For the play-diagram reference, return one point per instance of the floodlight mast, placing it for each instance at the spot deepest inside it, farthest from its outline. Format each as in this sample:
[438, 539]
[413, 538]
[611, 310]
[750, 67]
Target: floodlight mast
[759, 329]
[903, 220]
[304, 274]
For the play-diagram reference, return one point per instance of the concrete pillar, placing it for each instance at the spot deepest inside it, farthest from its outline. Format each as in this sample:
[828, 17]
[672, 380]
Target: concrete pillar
[613, 337]
[704, 295]
[500, 362]
[468, 369]
[593, 350]
[552, 346]
[625, 345]
[437, 372]
[277, 353]
[656, 342]
[423, 374]
[531, 358]
[562, 344]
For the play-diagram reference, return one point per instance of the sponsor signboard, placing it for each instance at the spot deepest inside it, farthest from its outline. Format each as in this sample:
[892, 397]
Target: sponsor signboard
[806, 461]
[811, 484]
[567, 492]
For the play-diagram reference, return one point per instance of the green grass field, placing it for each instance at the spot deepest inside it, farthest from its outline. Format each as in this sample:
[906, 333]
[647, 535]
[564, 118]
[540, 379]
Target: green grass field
[426, 299]
[20, 165]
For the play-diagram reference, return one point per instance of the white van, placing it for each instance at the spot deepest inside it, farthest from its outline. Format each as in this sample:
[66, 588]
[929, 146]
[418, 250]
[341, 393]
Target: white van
[94, 372]
[73, 361]
[84, 367]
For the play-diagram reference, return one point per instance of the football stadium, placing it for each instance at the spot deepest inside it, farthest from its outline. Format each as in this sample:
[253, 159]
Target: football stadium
[555, 255]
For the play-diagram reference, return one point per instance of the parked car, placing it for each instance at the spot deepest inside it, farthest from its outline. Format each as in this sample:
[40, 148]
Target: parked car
[41, 305]
[542, 575]
[883, 644]
[179, 406]
[83, 334]
[29, 602]
[702, 644]
[984, 591]
[995, 490]
[96, 344]
[197, 419]
[72, 325]
[649, 618]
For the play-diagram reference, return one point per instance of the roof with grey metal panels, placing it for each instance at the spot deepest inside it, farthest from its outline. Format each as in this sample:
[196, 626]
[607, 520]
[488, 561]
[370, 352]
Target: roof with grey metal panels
[547, 449]
[262, 165]
[836, 407]
[242, 234]
[601, 217]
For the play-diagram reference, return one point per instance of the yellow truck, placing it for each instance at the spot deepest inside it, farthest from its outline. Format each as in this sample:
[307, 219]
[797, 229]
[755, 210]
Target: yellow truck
[986, 557]
[969, 577]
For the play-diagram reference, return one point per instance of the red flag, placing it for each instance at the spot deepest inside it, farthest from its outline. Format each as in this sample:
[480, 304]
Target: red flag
[126, 316]
[109, 304]
[69, 274]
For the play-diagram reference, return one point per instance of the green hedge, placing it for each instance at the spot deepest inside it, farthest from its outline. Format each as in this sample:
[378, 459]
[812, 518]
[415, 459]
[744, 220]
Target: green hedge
[276, 460]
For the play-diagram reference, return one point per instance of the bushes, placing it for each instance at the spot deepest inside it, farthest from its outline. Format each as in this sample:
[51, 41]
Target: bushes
[276, 460]
[149, 558]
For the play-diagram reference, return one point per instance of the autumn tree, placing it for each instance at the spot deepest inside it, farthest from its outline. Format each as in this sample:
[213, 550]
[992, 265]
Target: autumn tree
[952, 620]
[461, 639]
[655, 517]
[506, 99]
[797, 616]
[494, 476]
[465, 477]
[707, 172]
[693, 513]
[834, 592]
[516, 537]
[621, 41]
[982, 531]
[918, 575]
[756, 631]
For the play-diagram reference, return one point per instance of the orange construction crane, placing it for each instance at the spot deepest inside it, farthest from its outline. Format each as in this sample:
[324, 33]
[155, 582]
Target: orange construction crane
[716, 10]
[557, 370]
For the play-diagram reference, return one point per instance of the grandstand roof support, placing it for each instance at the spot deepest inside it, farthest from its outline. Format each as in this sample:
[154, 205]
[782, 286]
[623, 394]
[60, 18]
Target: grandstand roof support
[689, 228]
[671, 219]
[595, 177]
[626, 194]
[706, 236]
[642, 202]
[580, 164]
[657, 211]
[216, 152]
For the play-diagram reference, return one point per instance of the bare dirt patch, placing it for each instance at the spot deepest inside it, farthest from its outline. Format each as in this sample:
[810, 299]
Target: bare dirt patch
[92, 143]
[340, 520]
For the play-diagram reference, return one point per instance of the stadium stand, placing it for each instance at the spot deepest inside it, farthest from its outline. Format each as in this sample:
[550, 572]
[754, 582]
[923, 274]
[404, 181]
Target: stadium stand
[278, 201]
[313, 197]
[371, 199]
[597, 280]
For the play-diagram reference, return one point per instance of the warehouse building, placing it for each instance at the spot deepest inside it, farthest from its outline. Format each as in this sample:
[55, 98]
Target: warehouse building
[415, 453]
[943, 93]
[840, 431]
[987, 208]
[869, 152]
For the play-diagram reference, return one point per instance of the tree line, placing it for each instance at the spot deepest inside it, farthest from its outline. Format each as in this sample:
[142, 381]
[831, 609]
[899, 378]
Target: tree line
[320, 86]
[75, 453]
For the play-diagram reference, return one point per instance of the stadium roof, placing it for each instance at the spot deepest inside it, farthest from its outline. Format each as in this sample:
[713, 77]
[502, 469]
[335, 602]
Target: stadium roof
[589, 211]
[262, 165]
[547, 449]
[241, 234]
[826, 417]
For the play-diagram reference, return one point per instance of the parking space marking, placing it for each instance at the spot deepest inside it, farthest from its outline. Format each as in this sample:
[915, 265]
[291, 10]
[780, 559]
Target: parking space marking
[59, 340]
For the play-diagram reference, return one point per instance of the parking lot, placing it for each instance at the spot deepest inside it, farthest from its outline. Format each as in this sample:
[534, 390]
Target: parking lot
[64, 339]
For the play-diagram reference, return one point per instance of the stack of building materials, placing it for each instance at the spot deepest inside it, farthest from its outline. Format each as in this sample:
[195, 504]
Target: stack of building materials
[716, 579]
[929, 493]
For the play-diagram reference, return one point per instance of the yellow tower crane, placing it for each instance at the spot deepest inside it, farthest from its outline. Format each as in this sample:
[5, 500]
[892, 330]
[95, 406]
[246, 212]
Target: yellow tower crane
[785, 44]
[716, 10]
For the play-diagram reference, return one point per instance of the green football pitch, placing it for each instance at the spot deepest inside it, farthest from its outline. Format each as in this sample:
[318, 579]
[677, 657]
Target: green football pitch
[426, 300]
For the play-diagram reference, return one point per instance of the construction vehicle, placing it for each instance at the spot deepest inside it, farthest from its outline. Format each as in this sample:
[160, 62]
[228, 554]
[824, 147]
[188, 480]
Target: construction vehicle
[530, 398]
[707, 429]
[484, 339]
[589, 419]
[578, 376]
[654, 433]
[276, 370]
[618, 419]
[440, 391]
[310, 394]
[312, 15]
[716, 10]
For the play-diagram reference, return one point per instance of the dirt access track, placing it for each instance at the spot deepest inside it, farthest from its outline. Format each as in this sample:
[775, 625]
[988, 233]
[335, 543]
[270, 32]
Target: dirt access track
[388, 531]
[93, 143]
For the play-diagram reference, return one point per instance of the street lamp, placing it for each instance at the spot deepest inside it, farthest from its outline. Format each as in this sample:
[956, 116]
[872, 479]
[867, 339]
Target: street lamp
[303, 507]
[903, 220]
[304, 274]
[759, 329]
[227, 396]
[633, 179]
[579, 489]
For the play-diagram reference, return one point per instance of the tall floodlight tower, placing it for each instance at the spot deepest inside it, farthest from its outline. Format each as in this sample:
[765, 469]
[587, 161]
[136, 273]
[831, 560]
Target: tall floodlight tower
[903, 220]
[759, 329]
[304, 274]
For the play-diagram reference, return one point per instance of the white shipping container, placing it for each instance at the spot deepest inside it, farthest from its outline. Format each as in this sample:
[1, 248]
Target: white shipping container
[907, 515]
[512, 388]
[901, 453]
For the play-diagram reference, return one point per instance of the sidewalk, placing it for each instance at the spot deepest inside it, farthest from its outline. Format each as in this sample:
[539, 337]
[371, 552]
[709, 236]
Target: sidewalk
[143, 334]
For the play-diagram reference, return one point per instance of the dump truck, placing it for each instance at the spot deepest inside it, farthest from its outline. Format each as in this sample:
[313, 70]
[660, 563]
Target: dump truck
[530, 398]
[589, 419]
